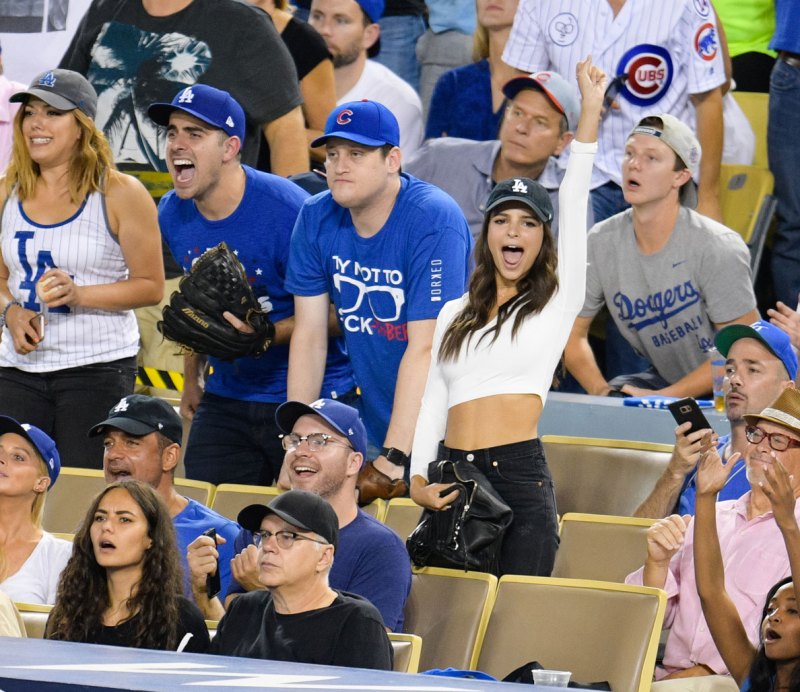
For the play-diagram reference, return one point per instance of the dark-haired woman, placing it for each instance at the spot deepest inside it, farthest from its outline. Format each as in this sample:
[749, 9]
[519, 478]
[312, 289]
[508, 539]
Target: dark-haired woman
[495, 349]
[122, 586]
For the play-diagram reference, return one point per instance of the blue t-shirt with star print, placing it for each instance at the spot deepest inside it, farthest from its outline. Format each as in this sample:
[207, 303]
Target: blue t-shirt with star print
[258, 231]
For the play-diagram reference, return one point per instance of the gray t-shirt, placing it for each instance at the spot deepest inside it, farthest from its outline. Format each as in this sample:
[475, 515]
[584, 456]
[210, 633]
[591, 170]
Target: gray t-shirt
[666, 304]
[463, 169]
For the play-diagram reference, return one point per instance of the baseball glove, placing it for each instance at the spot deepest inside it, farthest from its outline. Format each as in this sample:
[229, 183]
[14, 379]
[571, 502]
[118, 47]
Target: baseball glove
[193, 318]
[373, 484]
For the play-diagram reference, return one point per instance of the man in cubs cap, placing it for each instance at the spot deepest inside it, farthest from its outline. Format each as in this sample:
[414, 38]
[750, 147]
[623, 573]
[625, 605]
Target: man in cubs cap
[44, 445]
[296, 536]
[363, 122]
[62, 89]
[558, 91]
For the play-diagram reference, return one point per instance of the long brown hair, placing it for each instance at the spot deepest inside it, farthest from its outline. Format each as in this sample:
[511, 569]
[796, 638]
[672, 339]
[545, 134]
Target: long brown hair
[88, 168]
[82, 596]
[534, 291]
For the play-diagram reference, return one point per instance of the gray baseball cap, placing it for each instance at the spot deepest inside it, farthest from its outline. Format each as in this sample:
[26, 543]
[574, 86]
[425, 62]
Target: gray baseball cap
[679, 137]
[62, 89]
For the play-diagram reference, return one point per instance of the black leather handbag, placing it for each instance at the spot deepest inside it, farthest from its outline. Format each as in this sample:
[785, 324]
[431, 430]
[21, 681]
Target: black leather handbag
[468, 534]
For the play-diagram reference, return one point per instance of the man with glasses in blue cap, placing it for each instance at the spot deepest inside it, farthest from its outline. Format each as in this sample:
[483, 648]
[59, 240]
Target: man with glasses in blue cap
[325, 445]
[388, 251]
[299, 617]
[754, 533]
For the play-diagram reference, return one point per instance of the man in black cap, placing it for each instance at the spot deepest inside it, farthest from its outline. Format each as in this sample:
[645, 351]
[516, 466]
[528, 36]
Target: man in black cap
[300, 617]
[142, 440]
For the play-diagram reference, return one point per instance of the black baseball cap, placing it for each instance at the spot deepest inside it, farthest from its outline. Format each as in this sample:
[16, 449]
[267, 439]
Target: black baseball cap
[299, 508]
[524, 191]
[139, 414]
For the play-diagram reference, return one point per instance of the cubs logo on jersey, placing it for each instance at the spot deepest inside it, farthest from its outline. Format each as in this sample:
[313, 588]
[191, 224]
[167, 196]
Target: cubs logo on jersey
[649, 71]
[705, 42]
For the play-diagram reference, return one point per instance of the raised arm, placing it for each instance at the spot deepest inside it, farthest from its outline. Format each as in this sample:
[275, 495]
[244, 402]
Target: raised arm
[720, 612]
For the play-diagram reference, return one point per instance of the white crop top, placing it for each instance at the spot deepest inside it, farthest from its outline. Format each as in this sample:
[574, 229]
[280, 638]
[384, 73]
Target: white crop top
[526, 363]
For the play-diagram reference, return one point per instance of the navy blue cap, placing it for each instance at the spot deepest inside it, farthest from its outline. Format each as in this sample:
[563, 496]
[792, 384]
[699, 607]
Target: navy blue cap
[43, 443]
[139, 414]
[339, 416]
[213, 106]
[364, 122]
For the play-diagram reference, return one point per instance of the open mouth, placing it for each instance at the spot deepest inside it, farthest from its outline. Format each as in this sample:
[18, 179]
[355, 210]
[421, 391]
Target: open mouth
[184, 170]
[119, 474]
[512, 255]
[106, 545]
[771, 635]
[304, 471]
[40, 140]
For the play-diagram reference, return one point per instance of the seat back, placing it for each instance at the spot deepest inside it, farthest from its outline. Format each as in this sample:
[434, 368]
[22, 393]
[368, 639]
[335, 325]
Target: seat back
[199, 491]
[605, 548]
[11, 622]
[597, 630]
[69, 500]
[449, 610]
[402, 516]
[376, 508]
[756, 109]
[406, 649]
[597, 476]
[232, 498]
[34, 615]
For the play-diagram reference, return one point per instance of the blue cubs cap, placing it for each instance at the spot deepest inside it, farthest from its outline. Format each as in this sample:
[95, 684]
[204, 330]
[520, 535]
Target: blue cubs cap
[774, 339]
[558, 91]
[213, 106]
[139, 414]
[62, 89]
[364, 122]
[339, 416]
[41, 441]
[372, 8]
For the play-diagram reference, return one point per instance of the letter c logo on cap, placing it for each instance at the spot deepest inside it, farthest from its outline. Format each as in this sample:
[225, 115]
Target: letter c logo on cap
[344, 117]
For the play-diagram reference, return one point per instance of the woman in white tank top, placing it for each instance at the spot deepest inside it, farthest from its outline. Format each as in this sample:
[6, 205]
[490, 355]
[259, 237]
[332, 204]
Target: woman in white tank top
[79, 249]
[496, 348]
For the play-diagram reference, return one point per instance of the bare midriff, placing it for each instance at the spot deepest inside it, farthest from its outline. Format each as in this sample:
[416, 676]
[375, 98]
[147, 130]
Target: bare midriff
[493, 421]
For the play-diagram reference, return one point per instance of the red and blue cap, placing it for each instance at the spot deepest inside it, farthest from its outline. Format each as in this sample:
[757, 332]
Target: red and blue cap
[558, 91]
[339, 416]
[213, 106]
[773, 338]
[365, 122]
[42, 442]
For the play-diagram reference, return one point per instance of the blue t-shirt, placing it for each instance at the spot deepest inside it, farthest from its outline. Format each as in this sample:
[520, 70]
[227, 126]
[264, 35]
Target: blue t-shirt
[406, 272]
[371, 561]
[736, 485]
[461, 105]
[258, 231]
[189, 524]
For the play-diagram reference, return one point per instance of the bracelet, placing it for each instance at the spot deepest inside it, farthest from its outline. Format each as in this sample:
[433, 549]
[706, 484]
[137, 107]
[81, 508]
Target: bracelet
[395, 456]
[8, 306]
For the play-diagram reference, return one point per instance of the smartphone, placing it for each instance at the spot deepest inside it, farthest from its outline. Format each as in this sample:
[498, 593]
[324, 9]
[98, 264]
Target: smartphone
[212, 580]
[687, 410]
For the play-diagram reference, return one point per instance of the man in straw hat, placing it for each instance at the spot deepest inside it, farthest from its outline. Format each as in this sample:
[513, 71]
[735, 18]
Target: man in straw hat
[751, 535]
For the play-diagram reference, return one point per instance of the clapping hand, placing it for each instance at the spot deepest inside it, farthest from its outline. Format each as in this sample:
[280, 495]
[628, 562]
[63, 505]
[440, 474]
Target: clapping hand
[712, 471]
[665, 537]
[777, 486]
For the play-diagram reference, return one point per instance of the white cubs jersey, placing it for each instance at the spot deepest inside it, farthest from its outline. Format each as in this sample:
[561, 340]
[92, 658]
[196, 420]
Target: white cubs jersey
[666, 51]
[84, 247]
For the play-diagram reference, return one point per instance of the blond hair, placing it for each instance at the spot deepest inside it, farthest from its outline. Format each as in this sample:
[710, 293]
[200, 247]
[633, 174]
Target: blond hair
[88, 167]
[480, 43]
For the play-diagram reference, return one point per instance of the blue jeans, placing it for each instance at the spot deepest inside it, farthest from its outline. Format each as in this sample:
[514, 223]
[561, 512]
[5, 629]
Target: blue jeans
[399, 46]
[607, 200]
[783, 148]
[519, 474]
[66, 403]
[233, 441]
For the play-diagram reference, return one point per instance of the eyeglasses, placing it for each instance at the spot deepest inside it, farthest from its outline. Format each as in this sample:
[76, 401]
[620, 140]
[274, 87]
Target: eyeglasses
[284, 539]
[778, 441]
[315, 441]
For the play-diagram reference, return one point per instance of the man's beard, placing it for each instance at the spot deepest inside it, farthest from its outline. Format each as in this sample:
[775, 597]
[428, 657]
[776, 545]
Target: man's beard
[347, 57]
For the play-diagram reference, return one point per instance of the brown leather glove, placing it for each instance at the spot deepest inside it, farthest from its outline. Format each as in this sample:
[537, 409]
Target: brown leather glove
[373, 484]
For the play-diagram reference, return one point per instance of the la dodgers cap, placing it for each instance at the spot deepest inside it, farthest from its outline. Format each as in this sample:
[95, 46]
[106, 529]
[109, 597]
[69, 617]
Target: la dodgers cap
[557, 90]
[372, 8]
[364, 122]
[43, 443]
[679, 137]
[211, 105]
[299, 508]
[139, 414]
[774, 339]
[525, 191]
[339, 416]
[62, 89]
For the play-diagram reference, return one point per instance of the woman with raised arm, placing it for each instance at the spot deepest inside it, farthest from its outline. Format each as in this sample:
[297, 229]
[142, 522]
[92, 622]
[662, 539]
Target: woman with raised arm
[122, 586]
[496, 348]
[79, 249]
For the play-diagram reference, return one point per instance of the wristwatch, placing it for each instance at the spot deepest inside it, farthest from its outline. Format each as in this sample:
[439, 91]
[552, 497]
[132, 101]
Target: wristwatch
[394, 455]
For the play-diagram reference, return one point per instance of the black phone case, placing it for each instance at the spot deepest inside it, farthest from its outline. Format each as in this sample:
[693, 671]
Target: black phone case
[213, 584]
[687, 410]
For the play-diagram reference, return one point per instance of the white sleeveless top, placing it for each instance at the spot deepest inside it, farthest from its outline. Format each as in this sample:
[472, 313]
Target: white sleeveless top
[84, 247]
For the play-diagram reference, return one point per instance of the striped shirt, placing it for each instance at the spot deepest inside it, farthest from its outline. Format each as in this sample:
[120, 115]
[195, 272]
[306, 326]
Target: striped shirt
[668, 50]
[84, 247]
